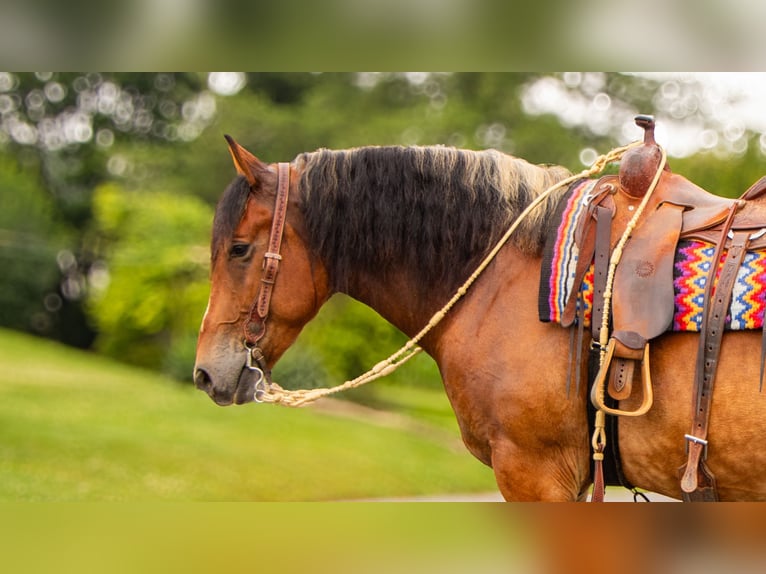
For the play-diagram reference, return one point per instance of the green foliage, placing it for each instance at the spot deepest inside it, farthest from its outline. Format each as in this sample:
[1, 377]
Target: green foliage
[155, 247]
[29, 242]
[64, 129]
[729, 176]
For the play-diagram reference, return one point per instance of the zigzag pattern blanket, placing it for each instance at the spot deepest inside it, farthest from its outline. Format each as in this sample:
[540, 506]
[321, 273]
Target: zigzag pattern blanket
[692, 264]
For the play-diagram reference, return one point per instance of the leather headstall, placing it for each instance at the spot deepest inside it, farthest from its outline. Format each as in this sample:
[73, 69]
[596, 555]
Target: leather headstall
[255, 327]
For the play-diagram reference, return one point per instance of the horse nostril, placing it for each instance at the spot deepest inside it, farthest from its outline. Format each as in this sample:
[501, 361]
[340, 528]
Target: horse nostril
[201, 379]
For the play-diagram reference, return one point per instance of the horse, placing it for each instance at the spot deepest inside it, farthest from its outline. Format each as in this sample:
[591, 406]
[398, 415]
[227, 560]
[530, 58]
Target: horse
[399, 229]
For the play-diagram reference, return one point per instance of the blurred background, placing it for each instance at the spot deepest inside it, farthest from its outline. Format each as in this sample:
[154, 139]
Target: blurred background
[383, 34]
[108, 183]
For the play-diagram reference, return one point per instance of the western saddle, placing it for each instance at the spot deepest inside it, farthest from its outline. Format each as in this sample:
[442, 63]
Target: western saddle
[641, 285]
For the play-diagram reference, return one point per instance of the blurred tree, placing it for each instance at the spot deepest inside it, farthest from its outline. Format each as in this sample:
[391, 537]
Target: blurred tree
[29, 244]
[149, 293]
[728, 175]
[72, 119]
[62, 126]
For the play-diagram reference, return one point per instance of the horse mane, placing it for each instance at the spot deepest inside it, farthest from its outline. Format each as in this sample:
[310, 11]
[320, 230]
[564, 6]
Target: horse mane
[433, 212]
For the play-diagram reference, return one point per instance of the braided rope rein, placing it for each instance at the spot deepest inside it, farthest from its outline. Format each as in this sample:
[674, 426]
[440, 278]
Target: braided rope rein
[301, 397]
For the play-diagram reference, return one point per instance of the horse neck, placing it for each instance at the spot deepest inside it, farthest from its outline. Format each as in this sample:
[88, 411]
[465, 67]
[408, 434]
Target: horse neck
[507, 283]
[394, 299]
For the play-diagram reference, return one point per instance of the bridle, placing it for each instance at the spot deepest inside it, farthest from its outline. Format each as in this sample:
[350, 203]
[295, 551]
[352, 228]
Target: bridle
[255, 326]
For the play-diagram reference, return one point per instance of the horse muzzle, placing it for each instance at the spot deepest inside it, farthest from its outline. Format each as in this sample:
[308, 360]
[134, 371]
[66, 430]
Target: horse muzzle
[249, 385]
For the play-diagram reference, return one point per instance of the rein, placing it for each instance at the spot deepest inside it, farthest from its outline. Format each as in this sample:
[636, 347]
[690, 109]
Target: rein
[270, 392]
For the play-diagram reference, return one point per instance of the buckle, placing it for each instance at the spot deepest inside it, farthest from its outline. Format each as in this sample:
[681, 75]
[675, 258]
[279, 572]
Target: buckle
[751, 237]
[596, 346]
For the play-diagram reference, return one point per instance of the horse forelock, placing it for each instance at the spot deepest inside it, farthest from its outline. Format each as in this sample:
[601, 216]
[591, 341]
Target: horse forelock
[228, 213]
[431, 211]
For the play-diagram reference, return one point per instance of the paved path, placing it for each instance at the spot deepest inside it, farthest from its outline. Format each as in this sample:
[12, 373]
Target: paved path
[612, 495]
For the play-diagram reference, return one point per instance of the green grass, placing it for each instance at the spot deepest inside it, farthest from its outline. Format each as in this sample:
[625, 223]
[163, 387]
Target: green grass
[77, 427]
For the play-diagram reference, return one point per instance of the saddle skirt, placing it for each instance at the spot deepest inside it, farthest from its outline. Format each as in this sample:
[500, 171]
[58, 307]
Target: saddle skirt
[691, 265]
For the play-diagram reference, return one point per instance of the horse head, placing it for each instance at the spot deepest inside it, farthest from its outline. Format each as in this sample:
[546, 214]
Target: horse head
[265, 283]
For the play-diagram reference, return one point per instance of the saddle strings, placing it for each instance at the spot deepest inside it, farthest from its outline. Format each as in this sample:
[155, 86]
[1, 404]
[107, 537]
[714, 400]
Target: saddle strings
[301, 397]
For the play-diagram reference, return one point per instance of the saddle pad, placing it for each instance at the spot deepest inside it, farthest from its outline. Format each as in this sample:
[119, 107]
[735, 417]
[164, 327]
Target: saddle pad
[690, 270]
[561, 253]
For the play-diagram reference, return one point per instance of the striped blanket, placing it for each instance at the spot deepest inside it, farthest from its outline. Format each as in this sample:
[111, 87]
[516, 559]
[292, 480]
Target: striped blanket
[691, 267]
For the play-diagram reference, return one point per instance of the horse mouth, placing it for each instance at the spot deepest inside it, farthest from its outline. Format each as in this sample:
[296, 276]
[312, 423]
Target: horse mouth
[246, 386]
[242, 393]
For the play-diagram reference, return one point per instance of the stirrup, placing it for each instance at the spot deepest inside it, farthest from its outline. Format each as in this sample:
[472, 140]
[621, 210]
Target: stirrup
[599, 385]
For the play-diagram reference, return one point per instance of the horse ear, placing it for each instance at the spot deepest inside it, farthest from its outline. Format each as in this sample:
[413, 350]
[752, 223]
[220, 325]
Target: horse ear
[245, 162]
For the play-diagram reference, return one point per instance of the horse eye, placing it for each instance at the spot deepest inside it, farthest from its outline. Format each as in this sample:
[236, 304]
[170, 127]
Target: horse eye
[239, 250]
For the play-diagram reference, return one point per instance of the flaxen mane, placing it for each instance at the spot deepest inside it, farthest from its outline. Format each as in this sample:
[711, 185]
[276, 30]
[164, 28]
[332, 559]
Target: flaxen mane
[433, 211]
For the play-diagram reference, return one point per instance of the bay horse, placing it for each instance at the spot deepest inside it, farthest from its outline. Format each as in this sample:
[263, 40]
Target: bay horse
[399, 229]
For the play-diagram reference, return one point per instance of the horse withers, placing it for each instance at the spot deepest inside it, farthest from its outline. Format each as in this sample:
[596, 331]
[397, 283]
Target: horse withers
[399, 229]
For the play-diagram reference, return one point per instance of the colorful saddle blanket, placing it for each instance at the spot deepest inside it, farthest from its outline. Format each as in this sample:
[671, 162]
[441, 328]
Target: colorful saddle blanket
[692, 264]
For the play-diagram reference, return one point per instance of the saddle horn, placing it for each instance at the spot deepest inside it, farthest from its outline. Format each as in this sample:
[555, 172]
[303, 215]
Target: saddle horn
[639, 164]
[647, 123]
